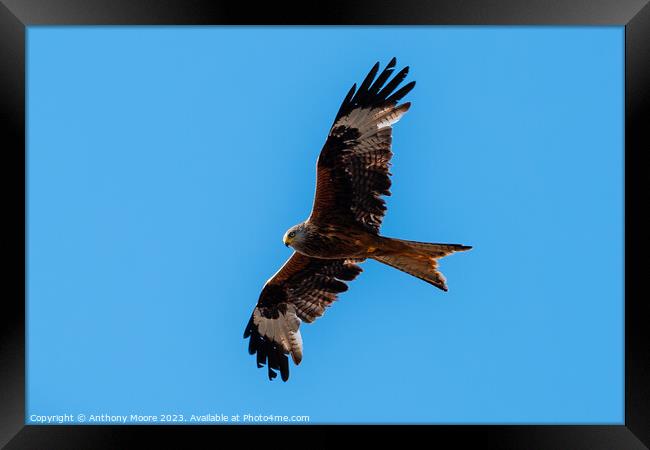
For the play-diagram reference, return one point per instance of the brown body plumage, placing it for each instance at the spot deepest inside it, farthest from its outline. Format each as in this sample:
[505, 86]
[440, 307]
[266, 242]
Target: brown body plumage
[343, 227]
[352, 242]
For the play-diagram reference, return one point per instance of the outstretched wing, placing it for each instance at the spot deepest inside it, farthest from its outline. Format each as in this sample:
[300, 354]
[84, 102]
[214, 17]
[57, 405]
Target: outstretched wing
[299, 291]
[353, 166]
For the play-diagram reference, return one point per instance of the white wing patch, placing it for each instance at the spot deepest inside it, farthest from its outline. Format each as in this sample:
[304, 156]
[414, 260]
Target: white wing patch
[284, 331]
[370, 120]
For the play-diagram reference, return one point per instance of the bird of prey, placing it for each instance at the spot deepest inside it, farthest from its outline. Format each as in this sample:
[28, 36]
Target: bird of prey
[343, 227]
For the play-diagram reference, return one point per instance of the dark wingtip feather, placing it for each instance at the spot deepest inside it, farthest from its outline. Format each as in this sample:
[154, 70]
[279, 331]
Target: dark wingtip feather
[364, 89]
[372, 94]
[350, 94]
[371, 76]
[267, 352]
[249, 328]
[392, 84]
[345, 104]
[381, 79]
[284, 369]
[397, 96]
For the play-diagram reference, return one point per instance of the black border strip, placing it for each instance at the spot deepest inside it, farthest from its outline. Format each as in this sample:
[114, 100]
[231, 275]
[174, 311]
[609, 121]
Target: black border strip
[15, 15]
[333, 12]
[637, 143]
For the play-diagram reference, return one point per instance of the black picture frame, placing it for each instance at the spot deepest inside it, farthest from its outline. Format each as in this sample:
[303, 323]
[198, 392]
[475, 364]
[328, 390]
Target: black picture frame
[16, 15]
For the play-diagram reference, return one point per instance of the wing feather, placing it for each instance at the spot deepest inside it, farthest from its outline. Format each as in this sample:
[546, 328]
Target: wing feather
[299, 292]
[353, 166]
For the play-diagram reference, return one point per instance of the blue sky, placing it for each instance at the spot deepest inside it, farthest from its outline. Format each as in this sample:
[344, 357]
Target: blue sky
[165, 164]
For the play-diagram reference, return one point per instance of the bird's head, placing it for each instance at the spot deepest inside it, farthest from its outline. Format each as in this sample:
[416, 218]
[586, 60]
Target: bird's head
[295, 235]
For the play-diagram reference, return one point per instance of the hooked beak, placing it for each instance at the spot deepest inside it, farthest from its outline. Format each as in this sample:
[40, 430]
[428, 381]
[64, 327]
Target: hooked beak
[285, 239]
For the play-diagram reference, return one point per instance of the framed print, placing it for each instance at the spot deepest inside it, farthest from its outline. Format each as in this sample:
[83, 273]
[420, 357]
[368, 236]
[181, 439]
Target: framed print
[404, 215]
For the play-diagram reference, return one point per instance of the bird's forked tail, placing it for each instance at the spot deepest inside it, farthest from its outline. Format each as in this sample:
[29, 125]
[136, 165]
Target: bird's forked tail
[417, 258]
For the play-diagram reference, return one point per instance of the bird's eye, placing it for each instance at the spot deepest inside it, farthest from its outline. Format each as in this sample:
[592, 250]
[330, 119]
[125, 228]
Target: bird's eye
[292, 234]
